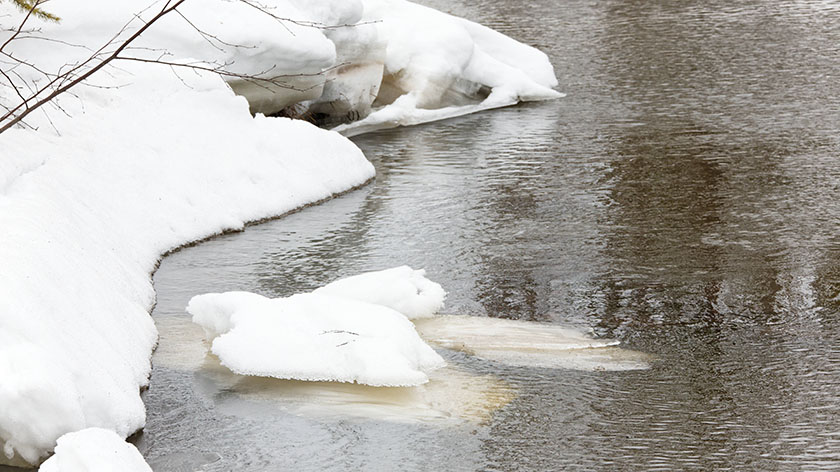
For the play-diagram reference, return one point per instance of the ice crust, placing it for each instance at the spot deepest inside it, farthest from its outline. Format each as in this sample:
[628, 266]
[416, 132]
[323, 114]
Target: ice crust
[314, 337]
[143, 159]
[94, 450]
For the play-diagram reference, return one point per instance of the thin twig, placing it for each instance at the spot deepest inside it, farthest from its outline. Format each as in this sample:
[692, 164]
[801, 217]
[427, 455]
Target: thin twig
[63, 88]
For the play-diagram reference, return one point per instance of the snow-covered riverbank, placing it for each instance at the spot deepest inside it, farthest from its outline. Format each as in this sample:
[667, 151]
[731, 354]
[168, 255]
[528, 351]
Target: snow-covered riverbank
[144, 158]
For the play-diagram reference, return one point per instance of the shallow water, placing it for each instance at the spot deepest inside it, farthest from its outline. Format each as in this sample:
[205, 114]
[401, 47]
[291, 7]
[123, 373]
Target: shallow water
[684, 199]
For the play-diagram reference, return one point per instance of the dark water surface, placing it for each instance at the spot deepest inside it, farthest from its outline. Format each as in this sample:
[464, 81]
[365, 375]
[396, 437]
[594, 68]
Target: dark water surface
[683, 198]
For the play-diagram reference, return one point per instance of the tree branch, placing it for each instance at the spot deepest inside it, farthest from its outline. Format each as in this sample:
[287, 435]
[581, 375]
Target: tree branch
[12, 120]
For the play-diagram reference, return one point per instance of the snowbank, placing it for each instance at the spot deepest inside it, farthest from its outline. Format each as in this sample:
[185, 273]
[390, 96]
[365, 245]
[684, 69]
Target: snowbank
[314, 337]
[145, 158]
[94, 450]
[139, 168]
[438, 66]
[403, 289]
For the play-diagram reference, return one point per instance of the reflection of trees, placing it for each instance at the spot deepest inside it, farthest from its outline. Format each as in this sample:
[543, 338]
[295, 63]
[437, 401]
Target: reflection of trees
[506, 287]
[706, 210]
[313, 260]
[315, 246]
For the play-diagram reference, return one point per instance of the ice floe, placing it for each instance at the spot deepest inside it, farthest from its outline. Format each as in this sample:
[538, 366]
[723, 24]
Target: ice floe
[451, 394]
[314, 337]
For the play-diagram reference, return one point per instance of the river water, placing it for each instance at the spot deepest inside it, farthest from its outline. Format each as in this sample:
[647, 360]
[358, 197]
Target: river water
[684, 198]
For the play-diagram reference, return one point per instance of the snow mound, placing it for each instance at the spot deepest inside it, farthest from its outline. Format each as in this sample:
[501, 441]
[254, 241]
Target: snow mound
[529, 344]
[314, 337]
[94, 450]
[402, 288]
[439, 66]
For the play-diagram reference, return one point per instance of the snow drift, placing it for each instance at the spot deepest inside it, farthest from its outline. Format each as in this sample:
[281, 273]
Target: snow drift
[138, 169]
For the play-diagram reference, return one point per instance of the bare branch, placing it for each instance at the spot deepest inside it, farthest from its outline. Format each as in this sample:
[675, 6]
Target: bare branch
[52, 85]
[208, 37]
[20, 27]
[12, 120]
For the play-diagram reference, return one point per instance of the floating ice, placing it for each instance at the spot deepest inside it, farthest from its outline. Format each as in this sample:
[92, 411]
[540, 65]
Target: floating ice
[314, 337]
[94, 450]
[529, 344]
[450, 394]
[402, 288]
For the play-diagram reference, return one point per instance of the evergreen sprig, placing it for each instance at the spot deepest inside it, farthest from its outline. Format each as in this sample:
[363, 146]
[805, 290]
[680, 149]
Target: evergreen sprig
[32, 5]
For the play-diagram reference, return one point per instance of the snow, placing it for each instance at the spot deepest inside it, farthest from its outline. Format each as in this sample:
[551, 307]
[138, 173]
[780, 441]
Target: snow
[94, 450]
[145, 158]
[136, 171]
[439, 66]
[403, 289]
[314, 337]
[84, 229]
[355, 329]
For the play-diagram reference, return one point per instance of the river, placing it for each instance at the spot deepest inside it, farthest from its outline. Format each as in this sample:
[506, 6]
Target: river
[684, 198]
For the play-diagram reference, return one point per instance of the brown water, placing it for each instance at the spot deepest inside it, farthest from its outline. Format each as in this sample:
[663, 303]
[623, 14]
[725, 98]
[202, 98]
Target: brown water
[684, 198]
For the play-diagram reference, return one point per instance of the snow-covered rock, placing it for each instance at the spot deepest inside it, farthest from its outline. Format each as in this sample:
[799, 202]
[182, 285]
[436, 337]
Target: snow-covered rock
[94, 450]
[314, 337]
[402, 288]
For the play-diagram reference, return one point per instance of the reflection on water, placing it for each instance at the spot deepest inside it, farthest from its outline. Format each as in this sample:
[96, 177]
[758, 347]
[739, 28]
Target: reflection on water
[684, 198]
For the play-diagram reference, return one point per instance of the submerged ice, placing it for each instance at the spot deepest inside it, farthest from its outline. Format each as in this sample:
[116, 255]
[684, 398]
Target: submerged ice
[529, 344]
